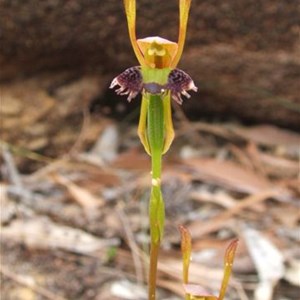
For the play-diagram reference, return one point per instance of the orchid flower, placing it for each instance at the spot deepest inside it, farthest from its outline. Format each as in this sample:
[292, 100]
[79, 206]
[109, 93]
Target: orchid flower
[159, 81]
[157, 73]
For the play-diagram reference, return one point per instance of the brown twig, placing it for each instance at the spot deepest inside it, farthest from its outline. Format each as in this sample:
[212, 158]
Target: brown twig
[135, 251]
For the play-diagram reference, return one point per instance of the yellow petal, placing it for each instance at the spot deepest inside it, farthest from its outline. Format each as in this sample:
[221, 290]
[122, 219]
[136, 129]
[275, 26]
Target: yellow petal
[130, 10]
[184, 8]
[142, 128]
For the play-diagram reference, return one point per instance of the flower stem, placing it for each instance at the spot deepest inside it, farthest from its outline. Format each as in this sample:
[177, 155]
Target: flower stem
[153, 271]
[156, 205]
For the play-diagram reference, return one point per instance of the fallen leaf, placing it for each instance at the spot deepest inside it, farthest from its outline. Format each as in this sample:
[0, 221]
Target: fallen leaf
[269, 135]
[268, 260]
[228, 174]
[132, 160]
[82, 196]
[279, 166]
[42, 233]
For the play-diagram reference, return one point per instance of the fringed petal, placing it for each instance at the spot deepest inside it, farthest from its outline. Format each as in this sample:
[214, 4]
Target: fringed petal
[130, 82]
[179, 83]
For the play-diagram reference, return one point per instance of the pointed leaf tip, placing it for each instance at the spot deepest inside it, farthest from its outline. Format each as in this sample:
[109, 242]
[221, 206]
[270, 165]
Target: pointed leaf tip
[230, 252]
[186, 248]
[228, 262]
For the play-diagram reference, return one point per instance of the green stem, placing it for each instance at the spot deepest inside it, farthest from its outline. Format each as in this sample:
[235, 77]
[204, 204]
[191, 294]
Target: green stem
[156, 132]
[156, 205]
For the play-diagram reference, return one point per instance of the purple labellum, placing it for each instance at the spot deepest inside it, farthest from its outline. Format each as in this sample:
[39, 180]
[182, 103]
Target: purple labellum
[130, 82]
[179, 83]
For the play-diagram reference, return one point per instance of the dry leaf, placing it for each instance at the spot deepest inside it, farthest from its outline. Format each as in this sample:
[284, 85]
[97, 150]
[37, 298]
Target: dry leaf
[268, 260]
[269, 135]
[132, 160]
[221, 197]
[42, 233]
[82, 196]
[279, 166]
[229, 175]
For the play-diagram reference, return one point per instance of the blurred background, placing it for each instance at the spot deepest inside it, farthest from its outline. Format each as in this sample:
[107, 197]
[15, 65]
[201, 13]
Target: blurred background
[75, 180]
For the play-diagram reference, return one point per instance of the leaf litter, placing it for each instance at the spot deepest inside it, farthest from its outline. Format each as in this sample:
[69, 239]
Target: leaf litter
[86, 211]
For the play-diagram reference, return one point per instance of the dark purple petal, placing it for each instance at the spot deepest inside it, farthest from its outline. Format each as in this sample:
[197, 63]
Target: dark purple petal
[179, 83]
[130, 82]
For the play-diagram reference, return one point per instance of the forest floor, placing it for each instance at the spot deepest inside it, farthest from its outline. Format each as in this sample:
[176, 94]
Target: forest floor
[74, 195]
